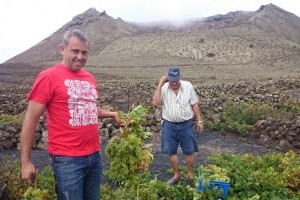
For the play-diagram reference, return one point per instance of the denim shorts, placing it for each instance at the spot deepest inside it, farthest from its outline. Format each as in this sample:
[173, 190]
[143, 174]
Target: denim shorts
[175, 134]
[77, 177]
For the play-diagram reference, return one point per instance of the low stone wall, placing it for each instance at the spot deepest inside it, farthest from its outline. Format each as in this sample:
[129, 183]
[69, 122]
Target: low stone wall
[10, 134]
[283, 135]
[213, 98]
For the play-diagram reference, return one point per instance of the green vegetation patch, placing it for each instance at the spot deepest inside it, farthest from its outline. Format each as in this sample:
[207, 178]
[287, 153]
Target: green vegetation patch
[6, 119]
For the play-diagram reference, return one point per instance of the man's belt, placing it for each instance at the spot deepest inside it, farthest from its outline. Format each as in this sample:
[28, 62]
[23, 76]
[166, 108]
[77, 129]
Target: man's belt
[177, 122]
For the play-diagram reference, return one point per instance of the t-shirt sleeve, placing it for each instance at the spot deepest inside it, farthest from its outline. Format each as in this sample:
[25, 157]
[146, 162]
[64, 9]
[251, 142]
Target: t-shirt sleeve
[41, 89]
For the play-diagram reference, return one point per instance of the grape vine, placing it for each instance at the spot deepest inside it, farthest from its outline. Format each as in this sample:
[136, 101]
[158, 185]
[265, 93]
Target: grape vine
[126, 153]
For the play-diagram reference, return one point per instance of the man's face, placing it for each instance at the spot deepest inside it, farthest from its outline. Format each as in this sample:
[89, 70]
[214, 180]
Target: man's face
[174, 85]
[75, 54]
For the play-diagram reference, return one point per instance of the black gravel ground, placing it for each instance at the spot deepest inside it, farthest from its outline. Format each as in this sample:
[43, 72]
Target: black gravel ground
[208, 142]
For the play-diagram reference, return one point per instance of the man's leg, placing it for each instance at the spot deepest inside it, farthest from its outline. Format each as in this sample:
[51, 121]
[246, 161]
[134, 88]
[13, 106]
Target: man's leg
[169, 145]
[92, 181]
[174, 163]
[189, 160]
[69, 176]
[189, 146]
[77, 177]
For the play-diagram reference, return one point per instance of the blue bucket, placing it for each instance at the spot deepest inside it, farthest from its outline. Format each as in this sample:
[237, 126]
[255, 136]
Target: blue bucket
[215, 184]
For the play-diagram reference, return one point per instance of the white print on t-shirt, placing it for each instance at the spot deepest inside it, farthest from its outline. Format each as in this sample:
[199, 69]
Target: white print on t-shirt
[82, 103]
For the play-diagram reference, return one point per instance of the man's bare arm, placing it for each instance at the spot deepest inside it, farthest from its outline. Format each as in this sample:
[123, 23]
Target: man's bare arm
[33, 114]
[156, 100]
[197, 112]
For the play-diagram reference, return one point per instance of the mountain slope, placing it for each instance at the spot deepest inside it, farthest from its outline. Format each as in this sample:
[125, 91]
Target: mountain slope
[237, 38]
[276, 21]
[100, 27]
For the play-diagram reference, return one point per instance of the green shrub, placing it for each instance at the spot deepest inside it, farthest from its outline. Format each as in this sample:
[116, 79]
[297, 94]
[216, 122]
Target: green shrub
[271, 176]
[210, 55]
[11, 119]
[126, 154]
[241, 117]
[147, 189]
[291, 106]
[10, 173]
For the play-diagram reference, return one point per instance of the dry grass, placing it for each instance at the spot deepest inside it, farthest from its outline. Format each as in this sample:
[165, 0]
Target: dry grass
[236, 57]
[208, 56]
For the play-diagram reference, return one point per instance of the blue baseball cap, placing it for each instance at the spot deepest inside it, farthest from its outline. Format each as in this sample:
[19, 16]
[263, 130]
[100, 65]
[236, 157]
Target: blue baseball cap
[174, 74]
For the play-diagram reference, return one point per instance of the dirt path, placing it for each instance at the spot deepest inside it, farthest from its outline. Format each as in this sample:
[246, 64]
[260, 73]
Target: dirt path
[208, 142]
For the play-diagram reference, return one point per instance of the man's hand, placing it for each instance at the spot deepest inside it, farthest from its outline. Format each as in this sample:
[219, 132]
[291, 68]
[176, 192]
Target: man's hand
[199, 126]
[29, 173]
[163, 80]
[117, 119]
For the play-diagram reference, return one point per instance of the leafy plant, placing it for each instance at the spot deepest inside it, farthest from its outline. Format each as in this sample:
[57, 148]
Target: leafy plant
[37, 194]
[10, 173]
[266, 177]
[241, 117]
[270, 176]
[144, 188]
[126, 153]
[291, 106]
[133, 122]
[213, 172]
[11, 119]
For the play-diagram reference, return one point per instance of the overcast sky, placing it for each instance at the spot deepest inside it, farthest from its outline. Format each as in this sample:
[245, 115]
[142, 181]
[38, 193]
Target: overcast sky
[24, 23]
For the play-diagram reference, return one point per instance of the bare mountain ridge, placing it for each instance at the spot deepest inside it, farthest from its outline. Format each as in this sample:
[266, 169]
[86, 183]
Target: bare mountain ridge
[218, 21]
[276, 21]
[268, 18]
[240, 44]
[88, 16]
[103, 29]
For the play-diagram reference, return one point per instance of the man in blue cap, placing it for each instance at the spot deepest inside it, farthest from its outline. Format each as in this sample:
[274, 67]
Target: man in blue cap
[180, 105]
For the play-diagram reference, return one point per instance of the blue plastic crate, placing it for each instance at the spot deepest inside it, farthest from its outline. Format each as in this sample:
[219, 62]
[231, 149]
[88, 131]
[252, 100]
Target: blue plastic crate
[219, 184]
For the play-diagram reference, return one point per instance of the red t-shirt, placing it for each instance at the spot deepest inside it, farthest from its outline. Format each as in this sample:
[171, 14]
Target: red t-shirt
[71, 110]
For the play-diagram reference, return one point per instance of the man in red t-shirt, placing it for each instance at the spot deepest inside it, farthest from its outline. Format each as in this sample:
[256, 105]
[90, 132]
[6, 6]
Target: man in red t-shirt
[69, 95]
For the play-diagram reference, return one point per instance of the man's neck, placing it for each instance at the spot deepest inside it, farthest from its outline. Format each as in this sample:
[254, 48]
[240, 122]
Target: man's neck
[176, 90]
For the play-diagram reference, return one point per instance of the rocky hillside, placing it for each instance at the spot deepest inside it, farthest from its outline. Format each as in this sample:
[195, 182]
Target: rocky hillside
[268, 19]
[100, 27]
[268, 33]
[276, 21]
